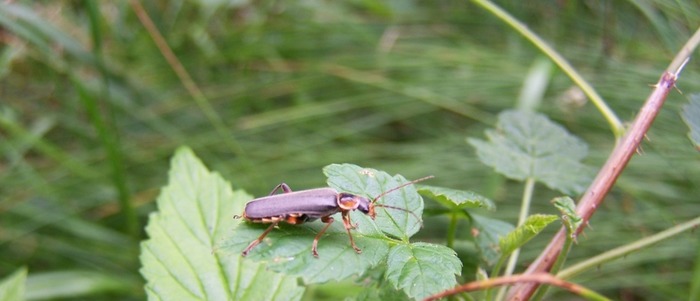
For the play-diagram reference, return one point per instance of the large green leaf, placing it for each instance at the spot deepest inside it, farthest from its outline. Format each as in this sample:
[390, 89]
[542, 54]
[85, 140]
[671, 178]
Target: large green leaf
[12, 286]
[372, 183]
[691, 116]
[422, 269]
[288, 248]
[528, 145]
[456, 199]
[180, 260]
[532, 226]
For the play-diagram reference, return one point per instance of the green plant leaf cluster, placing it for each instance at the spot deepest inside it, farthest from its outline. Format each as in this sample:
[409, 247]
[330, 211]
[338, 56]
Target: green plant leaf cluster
[194, 246]
[460, 204]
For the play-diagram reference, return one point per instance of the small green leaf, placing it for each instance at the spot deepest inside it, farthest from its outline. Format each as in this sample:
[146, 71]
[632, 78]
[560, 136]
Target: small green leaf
[72, 284]
[180, 259]
[532, 226]
[570, 218]
[288, 248]
[456, 199]
[528, 145]
[372, 183]
[487, 232]
[691, 116]
[12, 286]
[422, 269]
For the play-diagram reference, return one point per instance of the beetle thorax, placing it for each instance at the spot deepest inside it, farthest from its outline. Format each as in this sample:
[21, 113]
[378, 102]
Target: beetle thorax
[347, 201]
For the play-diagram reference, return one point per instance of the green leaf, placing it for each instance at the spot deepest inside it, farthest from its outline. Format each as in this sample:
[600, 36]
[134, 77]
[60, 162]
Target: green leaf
[288, 248]
[570, 218]
[12, 286]
[691, 116]
[72, 284]
[372, 183]
[487, 233]
[528, 145]
[456, 199]
[180, 260]
[532, 226]
[422, 269]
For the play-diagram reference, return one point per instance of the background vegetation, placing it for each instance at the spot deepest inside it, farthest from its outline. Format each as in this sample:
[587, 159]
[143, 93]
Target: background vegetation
[91, 111]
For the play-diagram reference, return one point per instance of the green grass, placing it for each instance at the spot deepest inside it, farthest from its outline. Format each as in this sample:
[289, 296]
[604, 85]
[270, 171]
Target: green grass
[91, 112]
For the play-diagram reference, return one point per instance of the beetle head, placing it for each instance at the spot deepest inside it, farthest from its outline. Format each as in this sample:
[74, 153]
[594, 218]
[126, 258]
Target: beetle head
[365, 206]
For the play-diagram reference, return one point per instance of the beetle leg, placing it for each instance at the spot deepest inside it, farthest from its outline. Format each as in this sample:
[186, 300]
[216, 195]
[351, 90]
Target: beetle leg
[348, 225]
[328, 220]
[284, 186]
[259, 240]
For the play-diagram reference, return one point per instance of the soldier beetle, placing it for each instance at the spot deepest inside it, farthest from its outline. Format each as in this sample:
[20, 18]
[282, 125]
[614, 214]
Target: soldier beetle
[298, 207]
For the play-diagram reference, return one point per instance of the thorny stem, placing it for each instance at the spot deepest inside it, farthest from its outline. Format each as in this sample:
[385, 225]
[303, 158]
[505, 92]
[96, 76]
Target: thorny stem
[561, 259]
[533, 278]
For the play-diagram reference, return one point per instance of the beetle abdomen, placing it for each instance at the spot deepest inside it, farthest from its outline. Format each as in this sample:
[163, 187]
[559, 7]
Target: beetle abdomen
[312, 204]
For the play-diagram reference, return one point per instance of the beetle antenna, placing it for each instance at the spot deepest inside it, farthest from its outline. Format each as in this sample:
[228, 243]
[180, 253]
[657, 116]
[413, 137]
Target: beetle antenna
[399, 187]
[399, 208]
[403, 209]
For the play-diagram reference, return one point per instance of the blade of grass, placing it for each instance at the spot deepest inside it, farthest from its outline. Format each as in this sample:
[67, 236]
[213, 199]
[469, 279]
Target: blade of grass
[47, 149]
[423, 94]
[191, 87]
[524, 212]
[598, 260]
[110, 142]
[106, 129]
[614, 122]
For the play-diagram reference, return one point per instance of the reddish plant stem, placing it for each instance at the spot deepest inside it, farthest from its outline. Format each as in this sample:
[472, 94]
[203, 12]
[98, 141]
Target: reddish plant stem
[602, 184]
[531, 278]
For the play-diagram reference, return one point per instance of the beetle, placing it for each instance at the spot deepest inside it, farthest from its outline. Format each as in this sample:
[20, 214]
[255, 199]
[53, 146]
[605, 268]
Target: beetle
[298, 207]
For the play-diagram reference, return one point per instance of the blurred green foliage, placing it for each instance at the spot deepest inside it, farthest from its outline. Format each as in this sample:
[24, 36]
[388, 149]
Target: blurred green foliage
[91, 111]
